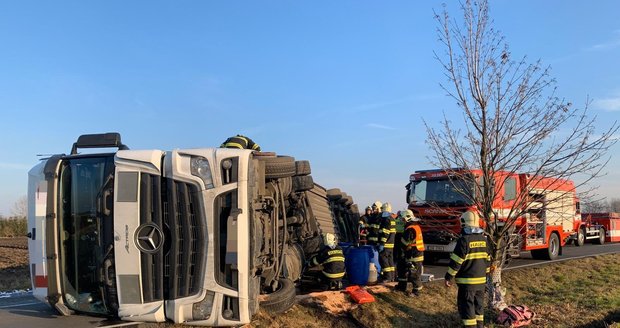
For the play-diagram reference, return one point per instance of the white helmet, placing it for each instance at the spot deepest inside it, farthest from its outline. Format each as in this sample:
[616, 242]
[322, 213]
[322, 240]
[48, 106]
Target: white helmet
[376, 206]
[470, 219]
[330, 240]
[408, 216]
[387, 207]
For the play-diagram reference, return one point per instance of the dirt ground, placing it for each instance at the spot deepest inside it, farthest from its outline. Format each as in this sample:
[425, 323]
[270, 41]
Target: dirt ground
[14, 272]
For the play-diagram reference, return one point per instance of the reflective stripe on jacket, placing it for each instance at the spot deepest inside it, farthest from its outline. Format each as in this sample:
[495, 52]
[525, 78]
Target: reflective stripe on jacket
[332, 261]
[470, 260]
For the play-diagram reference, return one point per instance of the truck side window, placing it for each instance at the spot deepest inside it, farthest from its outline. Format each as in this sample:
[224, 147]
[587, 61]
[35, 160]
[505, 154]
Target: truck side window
[226, 211]
[510, 189]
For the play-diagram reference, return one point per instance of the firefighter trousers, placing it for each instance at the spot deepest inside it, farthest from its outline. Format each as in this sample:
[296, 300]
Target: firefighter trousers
[470, 302]
[409, 272]
[386, 259]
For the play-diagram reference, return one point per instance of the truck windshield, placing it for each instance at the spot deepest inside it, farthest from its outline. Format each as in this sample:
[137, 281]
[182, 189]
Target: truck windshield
[85, 230]
[441, 192]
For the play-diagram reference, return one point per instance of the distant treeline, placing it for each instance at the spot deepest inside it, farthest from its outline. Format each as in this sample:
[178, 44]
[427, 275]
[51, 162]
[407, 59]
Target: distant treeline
[13, 227]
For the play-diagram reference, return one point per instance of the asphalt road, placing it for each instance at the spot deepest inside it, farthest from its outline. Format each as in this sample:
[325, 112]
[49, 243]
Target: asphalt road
[25, 311]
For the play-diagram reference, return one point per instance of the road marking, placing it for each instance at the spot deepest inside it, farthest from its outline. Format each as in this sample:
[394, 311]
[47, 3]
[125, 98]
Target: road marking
[18, 305]
[546, 262]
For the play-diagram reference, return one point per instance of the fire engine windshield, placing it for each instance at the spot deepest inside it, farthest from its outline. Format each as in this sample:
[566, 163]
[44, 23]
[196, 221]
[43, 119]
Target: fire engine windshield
[85, 230]
[441, 192]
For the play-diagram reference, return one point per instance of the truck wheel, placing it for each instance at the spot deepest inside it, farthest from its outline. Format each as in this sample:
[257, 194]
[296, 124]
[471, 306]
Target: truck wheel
[302, 168]
[581, 237]
[280, 300]
[334, 194]
[279, 166]
[303, 183]
[601, 237]
[552, 252]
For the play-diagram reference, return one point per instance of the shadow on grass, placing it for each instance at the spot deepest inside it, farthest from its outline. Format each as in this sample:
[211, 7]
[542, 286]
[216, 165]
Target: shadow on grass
[398, 314]
[612, 317]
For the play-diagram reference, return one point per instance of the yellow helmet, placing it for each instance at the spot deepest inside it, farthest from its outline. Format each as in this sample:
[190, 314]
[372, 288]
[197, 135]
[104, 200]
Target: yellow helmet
[387, 207]
[376, 205]
[330, 240]
[470, 219]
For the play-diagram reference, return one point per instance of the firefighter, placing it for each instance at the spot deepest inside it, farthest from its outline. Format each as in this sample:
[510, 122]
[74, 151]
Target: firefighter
[374, 222]
[331, 258]
[363, 225]
[400, 228]
[385, 246]
[241, 142]
[409, 265]
[469, 265]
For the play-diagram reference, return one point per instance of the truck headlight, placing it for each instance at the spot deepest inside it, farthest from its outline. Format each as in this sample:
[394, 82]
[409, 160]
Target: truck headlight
[200, 168]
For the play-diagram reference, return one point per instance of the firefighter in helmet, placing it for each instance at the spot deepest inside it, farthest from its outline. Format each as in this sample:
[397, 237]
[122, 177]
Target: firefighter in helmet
[385, 245]
[363, 225]
[469, 265]
[409, 265]
[240, 142]
[374, 222]
[331, 258]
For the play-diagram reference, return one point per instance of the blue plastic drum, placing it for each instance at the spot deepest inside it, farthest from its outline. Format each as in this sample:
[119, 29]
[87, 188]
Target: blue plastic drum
[357, 261]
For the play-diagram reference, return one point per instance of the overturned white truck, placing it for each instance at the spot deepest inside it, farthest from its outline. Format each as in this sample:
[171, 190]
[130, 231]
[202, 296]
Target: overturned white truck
[193, 235]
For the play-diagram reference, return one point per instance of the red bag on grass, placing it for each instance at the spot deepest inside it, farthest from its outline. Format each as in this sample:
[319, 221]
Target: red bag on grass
[515, 316]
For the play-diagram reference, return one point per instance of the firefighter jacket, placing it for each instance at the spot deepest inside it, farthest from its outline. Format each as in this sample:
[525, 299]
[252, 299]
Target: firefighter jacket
[332, 261]
[469, 263]
[241, 142]
[374, 224]
[412, 243]
[387, 231]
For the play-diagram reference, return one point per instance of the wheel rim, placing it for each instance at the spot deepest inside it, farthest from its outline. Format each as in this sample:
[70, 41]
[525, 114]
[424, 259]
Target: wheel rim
[581, 237]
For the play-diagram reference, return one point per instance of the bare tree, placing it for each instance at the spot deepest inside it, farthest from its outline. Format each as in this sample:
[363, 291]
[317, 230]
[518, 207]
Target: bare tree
[614, 205]
[20, 208]
[513, 123]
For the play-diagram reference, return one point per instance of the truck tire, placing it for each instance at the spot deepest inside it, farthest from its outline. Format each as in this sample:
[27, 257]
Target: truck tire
[581, 237]
[280, 300]
[303, 183]
[279, 166]
[601, 237]
[302, 168]
[550, 253]
[334, 194]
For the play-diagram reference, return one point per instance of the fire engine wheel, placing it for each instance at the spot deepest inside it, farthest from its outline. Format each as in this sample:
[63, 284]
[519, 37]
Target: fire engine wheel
[581, 237]
[601, 237]
[280, 300]
[279, 167]
[550, 253]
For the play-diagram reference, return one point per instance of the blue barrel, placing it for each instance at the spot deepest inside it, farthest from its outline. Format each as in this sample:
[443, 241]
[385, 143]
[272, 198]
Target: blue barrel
[357, 261]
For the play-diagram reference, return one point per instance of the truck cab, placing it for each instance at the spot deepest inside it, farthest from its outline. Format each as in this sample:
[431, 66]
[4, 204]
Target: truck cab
[188, 235]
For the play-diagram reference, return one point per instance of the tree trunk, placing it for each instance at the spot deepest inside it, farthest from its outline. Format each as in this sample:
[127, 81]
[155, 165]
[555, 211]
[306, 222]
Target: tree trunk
[496, 292]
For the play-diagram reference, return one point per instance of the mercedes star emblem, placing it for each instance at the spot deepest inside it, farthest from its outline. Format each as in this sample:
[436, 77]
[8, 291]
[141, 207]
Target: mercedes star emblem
[149, 238]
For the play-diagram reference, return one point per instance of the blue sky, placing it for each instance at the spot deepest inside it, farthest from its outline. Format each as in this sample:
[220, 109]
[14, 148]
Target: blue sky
[344, 84]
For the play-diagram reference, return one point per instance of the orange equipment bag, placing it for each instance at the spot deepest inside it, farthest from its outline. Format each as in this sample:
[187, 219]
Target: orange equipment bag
[359, 294]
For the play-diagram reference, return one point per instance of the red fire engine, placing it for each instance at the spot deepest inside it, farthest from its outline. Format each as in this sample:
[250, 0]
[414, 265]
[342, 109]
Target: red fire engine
[551, 215]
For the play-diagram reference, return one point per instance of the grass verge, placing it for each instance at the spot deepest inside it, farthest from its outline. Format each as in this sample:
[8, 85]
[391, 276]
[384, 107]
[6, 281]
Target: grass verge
[575, 293]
